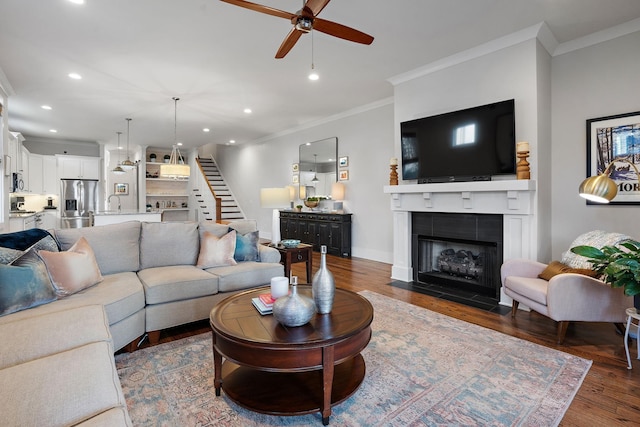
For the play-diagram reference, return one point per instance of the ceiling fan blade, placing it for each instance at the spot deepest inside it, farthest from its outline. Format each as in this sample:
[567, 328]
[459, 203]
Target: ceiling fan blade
[262, 9]
[341, 31]
[315, 6]
[288, 43]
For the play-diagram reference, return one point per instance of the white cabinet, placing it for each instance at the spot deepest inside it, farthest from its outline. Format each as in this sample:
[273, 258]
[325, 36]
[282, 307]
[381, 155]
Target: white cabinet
[49, 220]
[50, 182]
[35, 174]
[14, 151]
[78, 167]
[42, 175]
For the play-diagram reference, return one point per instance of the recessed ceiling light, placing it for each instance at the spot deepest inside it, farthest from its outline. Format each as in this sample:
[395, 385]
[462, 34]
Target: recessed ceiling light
[46, 107]
[53, 131]
[75, 76]
[179, 144]
[232, 141]
[206, 130]
[77, 1]
[247, 110]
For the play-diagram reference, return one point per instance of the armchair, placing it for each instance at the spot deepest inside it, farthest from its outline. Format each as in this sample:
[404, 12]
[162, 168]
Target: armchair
[568, 296]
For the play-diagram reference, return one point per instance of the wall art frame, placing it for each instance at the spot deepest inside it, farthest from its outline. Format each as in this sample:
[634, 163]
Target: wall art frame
[613, 138]
[121, 189]
[343, 175]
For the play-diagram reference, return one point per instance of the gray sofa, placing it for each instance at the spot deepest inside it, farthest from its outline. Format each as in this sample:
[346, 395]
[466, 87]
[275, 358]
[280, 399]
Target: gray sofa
[150, 282]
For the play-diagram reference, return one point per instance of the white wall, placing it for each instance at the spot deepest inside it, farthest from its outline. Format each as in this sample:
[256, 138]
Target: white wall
[365, 137]
[597, 81]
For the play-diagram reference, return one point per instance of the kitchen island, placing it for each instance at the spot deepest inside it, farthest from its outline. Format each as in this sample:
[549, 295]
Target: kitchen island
[115, 217]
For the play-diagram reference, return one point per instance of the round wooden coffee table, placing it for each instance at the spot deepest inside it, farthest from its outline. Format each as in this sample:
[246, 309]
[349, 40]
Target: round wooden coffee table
[273, 369]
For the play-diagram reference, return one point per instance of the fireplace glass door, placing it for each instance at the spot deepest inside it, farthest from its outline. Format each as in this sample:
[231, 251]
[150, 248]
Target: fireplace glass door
[462, 264]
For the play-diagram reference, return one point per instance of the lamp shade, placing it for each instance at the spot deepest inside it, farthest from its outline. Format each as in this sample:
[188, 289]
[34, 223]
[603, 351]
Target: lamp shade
[337, 191]
[274, 197]
[173, 170]
[600, 189]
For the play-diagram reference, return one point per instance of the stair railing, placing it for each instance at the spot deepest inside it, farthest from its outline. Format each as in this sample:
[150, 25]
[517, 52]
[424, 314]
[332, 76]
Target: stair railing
[218, 200]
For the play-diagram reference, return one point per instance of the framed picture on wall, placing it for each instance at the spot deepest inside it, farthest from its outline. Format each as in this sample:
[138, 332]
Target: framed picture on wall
[121, 189]
[613, 143]
[343, 162]
[295, 167]
[295, 178]
[343, 175]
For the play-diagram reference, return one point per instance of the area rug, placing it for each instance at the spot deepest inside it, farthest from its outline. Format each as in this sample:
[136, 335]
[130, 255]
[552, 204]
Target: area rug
[423, 369]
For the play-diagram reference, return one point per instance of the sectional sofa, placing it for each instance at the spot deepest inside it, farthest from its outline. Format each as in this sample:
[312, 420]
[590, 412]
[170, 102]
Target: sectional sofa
[150, 276]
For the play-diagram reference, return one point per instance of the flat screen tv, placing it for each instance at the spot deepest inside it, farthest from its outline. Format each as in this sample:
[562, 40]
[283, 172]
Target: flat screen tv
[467, 145]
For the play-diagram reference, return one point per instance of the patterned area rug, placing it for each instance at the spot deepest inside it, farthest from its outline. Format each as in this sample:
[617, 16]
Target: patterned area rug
[423, 368]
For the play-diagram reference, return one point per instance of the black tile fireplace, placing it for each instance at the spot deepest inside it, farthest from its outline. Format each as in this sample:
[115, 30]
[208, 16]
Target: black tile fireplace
[458, 254]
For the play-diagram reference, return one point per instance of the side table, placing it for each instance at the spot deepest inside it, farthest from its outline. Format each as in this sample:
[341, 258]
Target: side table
[302, 253]
[632, 330]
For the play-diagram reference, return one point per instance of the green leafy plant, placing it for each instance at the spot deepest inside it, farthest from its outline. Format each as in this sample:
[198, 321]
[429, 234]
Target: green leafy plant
[299, 206]
[313, 199]
[619, 266]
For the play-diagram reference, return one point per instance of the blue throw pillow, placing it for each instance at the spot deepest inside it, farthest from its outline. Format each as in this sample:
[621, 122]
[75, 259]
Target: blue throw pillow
[246, 246]
[21, 288]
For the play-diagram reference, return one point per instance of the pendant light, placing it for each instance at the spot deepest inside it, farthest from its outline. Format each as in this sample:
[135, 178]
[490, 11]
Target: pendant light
[315, 174]
[176, 167]
[118, 169]
[313, 75]
[128, 164]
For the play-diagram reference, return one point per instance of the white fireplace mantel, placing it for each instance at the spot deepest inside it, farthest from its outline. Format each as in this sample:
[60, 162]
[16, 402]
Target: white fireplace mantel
[513, 199]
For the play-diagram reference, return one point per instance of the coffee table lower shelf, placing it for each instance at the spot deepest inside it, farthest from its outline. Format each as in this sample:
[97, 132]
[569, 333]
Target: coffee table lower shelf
[289, 393]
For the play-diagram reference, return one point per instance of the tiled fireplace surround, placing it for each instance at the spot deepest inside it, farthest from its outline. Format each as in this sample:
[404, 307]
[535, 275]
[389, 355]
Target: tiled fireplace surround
[513, 199]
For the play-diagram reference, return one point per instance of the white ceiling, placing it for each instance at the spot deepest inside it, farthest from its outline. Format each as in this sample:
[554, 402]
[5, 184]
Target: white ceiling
[135, 55]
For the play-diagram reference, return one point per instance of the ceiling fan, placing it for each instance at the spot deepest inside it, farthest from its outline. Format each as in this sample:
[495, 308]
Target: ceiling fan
[304, 21]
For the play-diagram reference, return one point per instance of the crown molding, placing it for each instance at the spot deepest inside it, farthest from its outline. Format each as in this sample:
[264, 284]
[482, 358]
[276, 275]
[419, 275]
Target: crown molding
[598, 37]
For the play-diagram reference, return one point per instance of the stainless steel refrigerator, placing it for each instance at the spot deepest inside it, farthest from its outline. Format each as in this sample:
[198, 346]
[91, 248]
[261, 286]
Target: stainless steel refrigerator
[79, 202]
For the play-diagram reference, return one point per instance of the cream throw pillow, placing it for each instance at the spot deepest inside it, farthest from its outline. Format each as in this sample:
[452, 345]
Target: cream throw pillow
[217, 251]
[73, 270]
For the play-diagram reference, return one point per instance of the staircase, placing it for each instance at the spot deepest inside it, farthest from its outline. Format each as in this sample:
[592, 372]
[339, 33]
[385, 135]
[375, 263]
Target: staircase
[214, 199]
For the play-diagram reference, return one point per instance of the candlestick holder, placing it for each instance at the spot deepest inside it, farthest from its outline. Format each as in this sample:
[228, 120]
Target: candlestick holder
[522, 167]
[393, 175]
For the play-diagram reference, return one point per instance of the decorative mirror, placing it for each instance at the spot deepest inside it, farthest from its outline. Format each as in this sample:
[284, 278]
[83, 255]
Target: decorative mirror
[318, 165]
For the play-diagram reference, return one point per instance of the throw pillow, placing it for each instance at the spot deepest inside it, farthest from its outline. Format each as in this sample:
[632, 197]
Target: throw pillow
[595, 238]
[20, 289]
[217, 251]
[73, 270]
[247, 247]
[556, 267]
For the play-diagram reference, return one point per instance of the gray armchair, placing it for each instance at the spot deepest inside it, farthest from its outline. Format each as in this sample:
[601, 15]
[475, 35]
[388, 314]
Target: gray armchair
[568, 296]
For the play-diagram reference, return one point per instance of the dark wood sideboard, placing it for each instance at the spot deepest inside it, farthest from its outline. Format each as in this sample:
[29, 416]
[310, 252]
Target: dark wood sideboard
[315, 228]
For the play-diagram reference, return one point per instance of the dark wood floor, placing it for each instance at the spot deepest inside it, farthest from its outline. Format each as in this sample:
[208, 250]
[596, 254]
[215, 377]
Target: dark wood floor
[610, 394]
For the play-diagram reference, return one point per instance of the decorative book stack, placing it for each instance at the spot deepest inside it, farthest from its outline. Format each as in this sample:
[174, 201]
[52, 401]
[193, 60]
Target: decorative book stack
[263, 303]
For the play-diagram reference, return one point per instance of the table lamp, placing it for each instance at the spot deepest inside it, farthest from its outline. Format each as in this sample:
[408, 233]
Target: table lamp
[274, 198]
[337, 194]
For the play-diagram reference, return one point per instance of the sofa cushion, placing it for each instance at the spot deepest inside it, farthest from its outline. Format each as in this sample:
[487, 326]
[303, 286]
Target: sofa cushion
[556, 267]
[73, 270]
[213, 228]
[23, 240]
[595, 238]
[247, 247]
[179, 282]
[217, 251]
[248, 274]
[168, 243]
[63, 389]
[534, 289]
[244, 226]
[116, 246]
[21, 288]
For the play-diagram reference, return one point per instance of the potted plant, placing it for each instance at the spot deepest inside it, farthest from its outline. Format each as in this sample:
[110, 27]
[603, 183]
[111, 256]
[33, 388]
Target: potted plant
[619, 266]
[167, 158]
[311, 202]
[298, 208]
[152, 157]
